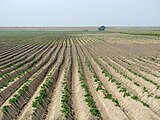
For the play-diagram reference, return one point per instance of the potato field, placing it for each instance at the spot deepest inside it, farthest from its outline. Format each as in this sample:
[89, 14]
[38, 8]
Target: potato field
[79, 76]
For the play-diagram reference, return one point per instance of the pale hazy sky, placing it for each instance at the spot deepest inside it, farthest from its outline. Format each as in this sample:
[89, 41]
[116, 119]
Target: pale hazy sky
[79, 12]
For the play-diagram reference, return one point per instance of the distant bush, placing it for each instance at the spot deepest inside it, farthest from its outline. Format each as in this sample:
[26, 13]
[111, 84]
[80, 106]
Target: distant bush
[86, 30]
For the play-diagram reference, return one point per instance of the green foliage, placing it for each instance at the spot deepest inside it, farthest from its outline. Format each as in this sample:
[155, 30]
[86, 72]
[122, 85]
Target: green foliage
[13, 100]
[37, 101]
[43, 92]
[65, 96]
[102, 28]
[146, 79]
[17, 96]
[135, 98]
[5, 108]
[124, 61]
[95, 111]
[116, 101]
[113, 80]
[20, 93]
[88, 97]
[137, 33]
[124, 90]
[144, 104]
[136, 84]
[99, 87]
[157, 97]
[126, 94]
[7, 82]
[106, 94]
[145, 89]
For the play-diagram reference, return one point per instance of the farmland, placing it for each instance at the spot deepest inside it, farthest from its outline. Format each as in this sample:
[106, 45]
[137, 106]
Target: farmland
[51, 75]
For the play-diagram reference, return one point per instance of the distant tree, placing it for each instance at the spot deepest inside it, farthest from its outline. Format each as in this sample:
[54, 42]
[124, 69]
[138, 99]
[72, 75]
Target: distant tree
[102, 28]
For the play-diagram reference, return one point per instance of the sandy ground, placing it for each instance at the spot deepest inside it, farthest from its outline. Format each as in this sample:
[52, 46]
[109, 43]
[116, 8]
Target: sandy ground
[80, 107]
[54, 109]
[141, 51]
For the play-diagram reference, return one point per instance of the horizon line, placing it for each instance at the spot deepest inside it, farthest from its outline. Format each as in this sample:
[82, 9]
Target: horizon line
[82, 26]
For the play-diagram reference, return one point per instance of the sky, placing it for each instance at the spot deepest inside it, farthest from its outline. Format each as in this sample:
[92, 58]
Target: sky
[79, 12]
